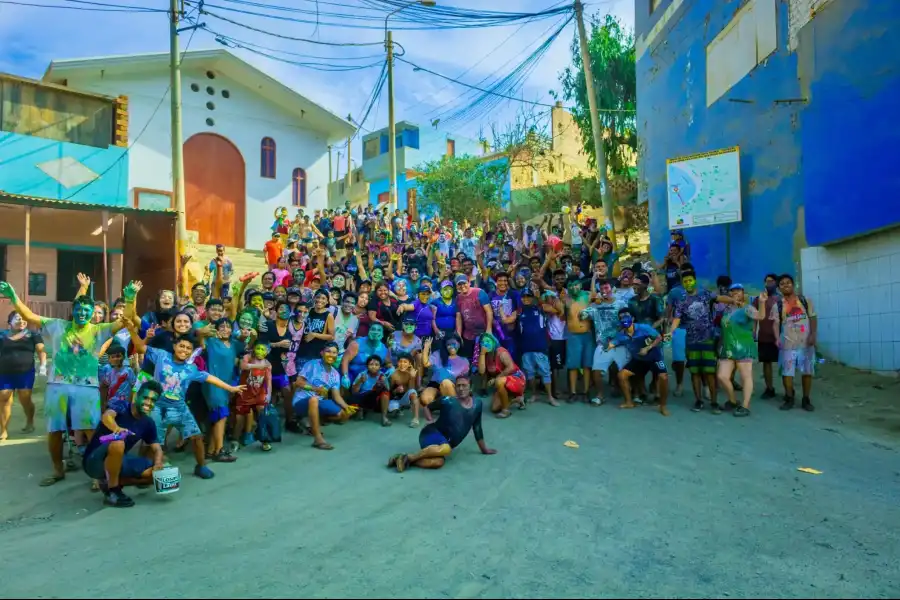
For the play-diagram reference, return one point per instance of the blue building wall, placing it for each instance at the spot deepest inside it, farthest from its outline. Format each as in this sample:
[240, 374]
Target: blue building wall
[20, 156]
[816, 131]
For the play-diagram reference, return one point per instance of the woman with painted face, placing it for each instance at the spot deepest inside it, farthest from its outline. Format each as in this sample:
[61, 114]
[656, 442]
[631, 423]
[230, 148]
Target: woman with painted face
[738, 349]
[346, 323]
[446, 311]
[405, 341]
[446, 365]
[361, 310]
[383, 309]
[222, 354]
[278, 340]
[319, 330]
[18, 345]
[423, 313]
[165, 302]
[506, 377]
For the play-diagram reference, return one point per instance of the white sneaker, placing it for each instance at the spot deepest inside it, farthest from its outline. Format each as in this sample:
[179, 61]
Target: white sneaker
[597, 401]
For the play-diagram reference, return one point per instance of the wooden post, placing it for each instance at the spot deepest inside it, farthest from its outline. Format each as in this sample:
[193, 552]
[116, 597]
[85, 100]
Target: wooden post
[104, 226]
[27, 251]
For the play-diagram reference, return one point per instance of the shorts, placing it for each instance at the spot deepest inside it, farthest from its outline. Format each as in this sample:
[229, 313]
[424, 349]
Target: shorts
[604, 358]
[132, 466]
[368, 400]
[79, 404]
[800, 359]
[19, 381]
[557, 354]
[245, 408]
[679, 345]
[640, 368]
[536, 364]
[405, 400]
[701, 358]
[280, 382]
[175, 414]
[327, 406]
[431, 436]
[768, 352]
[217, 414]
[580, 351]
[515, 384]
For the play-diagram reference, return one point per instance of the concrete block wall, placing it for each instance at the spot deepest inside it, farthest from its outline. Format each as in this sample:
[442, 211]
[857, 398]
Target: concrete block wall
[855, 287]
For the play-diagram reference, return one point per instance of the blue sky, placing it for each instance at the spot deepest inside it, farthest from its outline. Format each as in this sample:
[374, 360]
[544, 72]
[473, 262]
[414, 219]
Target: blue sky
[30, 37]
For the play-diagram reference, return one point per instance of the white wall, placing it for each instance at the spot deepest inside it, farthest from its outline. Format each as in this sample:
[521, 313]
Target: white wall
[244, 119]
[856, 290]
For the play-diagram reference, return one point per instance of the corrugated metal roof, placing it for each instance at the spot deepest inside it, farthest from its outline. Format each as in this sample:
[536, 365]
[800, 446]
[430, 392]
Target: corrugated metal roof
[22, 200]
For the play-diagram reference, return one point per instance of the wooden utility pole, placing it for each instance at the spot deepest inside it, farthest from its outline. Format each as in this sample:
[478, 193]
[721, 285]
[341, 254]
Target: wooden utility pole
[602, 175]
[177, 133]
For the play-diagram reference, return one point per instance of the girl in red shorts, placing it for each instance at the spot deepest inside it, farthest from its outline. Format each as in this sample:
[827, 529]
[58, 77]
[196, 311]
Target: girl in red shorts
[256, 374]
[506, 377]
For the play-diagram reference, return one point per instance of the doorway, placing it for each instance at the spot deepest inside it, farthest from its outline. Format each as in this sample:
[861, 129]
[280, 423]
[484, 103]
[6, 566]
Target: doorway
[215, 195]
[69, 264]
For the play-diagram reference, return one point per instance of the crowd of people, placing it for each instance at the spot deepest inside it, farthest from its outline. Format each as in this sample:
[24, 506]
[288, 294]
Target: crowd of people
[360, 312]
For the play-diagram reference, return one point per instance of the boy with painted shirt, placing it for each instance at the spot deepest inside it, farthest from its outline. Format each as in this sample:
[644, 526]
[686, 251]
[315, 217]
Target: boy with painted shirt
[73, 382]
[116, 380]
[175, 374]
[604, 313]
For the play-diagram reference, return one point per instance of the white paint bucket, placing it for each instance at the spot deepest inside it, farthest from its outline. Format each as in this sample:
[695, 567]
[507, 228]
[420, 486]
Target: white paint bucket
[167, 480]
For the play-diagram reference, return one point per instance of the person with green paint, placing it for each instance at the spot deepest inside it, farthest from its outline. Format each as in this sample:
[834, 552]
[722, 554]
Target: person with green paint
[73, 384]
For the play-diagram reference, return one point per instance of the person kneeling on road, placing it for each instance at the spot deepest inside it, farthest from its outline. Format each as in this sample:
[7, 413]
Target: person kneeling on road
[643, 344]
[106, 457]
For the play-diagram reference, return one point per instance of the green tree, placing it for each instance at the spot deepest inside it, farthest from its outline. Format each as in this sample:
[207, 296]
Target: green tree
[611, 50]
[463, 187]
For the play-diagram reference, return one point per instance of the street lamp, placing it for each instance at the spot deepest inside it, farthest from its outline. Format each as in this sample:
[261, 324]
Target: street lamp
[392, 127]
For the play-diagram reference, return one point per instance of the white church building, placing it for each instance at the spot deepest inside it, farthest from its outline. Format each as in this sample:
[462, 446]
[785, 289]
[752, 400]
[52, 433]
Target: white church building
[251, 144]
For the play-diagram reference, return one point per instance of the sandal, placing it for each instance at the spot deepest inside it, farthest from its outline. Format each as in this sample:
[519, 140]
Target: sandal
[414, 424]
[95, 485]
[740, 411]
[48, 481]
[322, 446]
[402, 463]
[224, 457]
[28, 429]
[504, 414]
[520, 402]
[266, 447]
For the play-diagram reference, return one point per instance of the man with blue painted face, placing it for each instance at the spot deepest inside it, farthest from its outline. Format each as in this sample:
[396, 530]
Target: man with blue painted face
[643, 343]
[73, 386]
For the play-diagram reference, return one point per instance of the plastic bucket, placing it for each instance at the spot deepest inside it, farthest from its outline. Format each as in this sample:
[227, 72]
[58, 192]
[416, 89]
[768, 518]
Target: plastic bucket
[167, 480]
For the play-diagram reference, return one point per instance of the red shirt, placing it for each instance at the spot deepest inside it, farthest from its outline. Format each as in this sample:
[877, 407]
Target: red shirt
[273, 251]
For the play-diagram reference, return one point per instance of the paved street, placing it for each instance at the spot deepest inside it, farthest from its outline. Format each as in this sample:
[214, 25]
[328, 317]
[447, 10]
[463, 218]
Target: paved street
[690, 506]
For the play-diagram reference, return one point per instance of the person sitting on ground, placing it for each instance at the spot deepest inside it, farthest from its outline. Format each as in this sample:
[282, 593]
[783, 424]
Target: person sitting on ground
[370, 389]
[403, 388]
[319, 395]
[505, 376]
[122, 426]
[446, 366]
[437, 440]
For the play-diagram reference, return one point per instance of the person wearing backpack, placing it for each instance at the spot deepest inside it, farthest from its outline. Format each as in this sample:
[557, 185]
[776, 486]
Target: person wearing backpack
[795, 324]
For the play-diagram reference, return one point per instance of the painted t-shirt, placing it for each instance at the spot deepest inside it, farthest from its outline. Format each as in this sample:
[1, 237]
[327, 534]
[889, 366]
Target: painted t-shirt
[120, 383]
[344, 327]
[174, 377]
[737, 333]
[456, 367]
[605, 316]
[399, 346]
[642, 336]
[317, 374]
[794, 323]
[74, 351]
[695, 312]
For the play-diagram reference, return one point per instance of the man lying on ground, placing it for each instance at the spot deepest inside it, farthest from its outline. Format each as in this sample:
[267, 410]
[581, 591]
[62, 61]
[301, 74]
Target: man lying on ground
[458, 416]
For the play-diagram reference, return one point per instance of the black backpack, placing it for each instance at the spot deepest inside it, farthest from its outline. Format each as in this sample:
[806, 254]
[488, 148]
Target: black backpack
[781, 310]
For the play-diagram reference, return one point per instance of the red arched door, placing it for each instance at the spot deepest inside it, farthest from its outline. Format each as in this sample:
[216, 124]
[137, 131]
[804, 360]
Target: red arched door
[214, 185]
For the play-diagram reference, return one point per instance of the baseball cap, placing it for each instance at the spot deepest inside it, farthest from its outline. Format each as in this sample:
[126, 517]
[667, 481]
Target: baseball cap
[460, 279]
[446, 283]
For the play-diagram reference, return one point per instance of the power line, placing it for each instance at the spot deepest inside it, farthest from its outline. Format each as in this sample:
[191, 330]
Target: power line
[95, 7]
[285, 37]
[316, 66]
[146, 125]
[239, 42]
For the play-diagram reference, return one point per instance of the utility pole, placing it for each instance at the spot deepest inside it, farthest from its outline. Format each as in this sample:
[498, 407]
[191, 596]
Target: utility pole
[392, 127]
[349, 164]
[177, 133]
[602, 175]
[328, 189]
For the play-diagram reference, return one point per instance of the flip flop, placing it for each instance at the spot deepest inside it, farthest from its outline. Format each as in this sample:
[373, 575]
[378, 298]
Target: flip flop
[402, 463]
[392, 461]
[48, 481]
[503, 414]
[322, 446]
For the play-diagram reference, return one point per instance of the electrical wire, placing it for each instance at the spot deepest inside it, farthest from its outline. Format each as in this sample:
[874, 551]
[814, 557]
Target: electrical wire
[149, 120]
[239, 42]
[431, 19]
[316, 66]
[282, 36]
[96, 7]
[374, 96]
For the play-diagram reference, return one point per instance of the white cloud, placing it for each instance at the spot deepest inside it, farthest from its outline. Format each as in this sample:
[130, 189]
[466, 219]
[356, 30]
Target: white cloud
[31, 37]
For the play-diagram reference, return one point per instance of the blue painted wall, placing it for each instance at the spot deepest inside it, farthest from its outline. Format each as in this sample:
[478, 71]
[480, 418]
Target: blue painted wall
[19, 173]
[807, 166]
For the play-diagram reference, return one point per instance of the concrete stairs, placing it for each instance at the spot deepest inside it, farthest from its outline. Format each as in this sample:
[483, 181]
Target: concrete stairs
[245, 261]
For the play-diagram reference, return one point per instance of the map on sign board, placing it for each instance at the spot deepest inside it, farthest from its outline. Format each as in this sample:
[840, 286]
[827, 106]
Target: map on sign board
[704, 189]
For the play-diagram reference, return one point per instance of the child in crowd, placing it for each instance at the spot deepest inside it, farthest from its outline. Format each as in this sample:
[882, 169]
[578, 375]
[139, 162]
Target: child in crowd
[403, 391]
[256, 378]
[370, 390]
[535, 345]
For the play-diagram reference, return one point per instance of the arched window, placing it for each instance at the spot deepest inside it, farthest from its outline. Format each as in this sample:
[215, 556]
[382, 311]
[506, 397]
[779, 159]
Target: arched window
[298, 187]
[267, 158]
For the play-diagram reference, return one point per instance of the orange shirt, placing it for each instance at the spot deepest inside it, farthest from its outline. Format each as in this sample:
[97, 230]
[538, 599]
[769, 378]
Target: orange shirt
[273, 251]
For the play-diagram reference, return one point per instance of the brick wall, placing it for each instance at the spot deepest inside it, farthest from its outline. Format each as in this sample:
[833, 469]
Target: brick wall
[856, 290]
